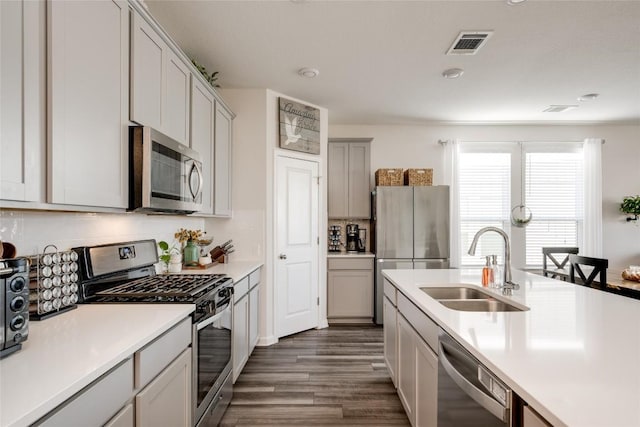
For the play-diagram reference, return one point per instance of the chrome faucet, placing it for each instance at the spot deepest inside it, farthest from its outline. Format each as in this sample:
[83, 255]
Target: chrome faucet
[507, 284]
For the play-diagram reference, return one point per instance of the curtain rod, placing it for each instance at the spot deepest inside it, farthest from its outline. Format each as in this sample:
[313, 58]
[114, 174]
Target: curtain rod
[446, 141]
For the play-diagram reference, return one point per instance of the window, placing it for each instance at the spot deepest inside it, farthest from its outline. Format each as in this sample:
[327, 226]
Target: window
[485, 188]
[553, 192]
[495, 177]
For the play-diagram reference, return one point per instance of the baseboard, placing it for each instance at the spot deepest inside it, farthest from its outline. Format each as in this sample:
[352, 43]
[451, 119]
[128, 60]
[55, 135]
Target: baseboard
[266, 341]
[351, 321]
[323, 324]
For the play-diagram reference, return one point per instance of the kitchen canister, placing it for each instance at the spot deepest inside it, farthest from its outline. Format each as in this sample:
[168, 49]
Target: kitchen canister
[53, 283]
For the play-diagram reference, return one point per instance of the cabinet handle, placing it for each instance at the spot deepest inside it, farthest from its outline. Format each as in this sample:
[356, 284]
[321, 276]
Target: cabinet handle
[283, 256]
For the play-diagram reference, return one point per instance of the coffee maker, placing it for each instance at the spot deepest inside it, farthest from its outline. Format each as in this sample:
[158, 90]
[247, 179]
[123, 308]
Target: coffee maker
[352, 237]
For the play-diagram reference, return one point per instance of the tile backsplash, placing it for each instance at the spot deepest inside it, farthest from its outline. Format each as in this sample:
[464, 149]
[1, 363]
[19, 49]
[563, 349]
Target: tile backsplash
[343, 224]
[31, 231]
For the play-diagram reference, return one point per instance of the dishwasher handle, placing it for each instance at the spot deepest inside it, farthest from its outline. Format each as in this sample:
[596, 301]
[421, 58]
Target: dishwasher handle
[483, 399]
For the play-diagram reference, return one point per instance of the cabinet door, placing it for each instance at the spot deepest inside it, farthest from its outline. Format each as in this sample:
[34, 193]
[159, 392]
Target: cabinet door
[390, 338]
[350, 293]
[124, 418]
[202, 137]
[222, 159]
[254, 313]
[240, 329]
[22, 104]
[426, 406]
[89, 103]
[176, 101]
[166, 401]
[359, 180]
[407, 368]
[338, 181]
[147, 59]
[531, 419]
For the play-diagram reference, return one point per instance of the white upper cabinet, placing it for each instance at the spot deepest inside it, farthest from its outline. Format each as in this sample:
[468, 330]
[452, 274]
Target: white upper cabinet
[88, 83]
[160, 83]
[223, 159]
[176, 102]
[203, 107]
[22, 100]
[147, 56]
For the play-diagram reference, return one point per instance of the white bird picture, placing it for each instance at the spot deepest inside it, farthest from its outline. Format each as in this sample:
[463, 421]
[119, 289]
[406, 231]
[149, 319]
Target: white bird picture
[291, 127]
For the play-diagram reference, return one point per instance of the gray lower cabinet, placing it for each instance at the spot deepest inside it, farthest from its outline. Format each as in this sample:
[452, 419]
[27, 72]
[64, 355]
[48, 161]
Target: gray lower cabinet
[349, 182]
[150, 388]
[246, 312]
[350, 290]
[410, 354]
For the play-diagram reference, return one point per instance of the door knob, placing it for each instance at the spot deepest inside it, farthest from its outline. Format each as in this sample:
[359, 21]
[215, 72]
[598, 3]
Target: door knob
[283, 256]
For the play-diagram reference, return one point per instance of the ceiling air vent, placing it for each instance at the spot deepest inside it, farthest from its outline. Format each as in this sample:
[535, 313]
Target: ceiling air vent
[468, 42]
[559, 108]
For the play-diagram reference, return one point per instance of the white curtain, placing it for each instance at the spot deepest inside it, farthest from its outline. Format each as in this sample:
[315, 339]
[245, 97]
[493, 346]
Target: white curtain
[451, 174]
[592, 224]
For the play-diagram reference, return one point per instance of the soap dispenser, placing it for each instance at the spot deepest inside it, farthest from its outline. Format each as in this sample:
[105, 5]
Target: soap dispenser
[487, 273]
[497, 271]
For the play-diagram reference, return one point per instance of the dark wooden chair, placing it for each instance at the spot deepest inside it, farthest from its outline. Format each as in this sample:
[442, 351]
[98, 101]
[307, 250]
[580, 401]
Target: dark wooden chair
[559, 269]
[599, 268]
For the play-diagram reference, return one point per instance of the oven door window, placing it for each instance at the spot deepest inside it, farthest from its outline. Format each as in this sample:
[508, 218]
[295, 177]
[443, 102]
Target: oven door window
[166, 173]
[214, 353]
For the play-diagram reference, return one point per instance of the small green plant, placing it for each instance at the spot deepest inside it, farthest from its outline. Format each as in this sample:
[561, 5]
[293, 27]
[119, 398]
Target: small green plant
[631, 205]
[166, 252]
[211, 78]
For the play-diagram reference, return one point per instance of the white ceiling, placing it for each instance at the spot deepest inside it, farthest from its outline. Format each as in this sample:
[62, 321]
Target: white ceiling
[381, 61]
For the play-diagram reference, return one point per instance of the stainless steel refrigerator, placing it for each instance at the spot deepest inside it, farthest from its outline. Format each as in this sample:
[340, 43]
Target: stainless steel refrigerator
[410, 230]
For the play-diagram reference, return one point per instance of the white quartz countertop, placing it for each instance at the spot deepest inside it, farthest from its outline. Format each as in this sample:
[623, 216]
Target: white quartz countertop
[65, 353]
[235, 269]
[574, 356]
[350, 255]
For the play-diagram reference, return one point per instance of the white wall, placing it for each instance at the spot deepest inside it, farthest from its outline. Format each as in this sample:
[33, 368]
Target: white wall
[31, 231]
[417, 147]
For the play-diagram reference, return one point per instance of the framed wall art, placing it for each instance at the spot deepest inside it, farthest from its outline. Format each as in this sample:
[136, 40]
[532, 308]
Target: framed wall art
[299, 126]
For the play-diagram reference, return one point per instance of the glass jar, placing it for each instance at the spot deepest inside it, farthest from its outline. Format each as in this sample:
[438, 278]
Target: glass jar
[191, 253]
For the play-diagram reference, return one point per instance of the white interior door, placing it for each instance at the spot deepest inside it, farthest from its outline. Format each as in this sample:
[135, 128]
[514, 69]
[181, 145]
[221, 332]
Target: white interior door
[296, 245]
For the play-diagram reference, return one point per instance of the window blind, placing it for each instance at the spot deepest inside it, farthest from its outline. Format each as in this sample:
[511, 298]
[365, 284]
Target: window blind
[485, 199]
[554, 193]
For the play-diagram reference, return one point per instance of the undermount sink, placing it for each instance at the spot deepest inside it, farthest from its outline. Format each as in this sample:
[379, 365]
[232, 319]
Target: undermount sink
[488, 305]
[467, 298]
[455, 293]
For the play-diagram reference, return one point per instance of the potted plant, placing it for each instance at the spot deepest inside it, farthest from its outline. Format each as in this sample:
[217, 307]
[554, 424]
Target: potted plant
[189, 240]
[631, 205]
[169, 255]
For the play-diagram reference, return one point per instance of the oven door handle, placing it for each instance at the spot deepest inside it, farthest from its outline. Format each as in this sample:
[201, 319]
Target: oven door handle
[208, 321]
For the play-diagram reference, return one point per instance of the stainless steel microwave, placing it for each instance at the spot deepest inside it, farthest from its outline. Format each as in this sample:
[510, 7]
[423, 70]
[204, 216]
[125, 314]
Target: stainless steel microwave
[164, 175]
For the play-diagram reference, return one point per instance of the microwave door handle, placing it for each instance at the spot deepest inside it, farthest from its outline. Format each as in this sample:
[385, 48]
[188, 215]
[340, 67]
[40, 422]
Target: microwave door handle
[484, 400]
[198, 191]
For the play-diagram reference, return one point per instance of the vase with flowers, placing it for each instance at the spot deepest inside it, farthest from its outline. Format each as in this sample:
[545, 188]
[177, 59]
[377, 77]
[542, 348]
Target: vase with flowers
[189, 239]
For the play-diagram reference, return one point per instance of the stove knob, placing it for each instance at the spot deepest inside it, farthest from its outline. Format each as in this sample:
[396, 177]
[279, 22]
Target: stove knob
[17, 323]
[17, 304]
[17, 284]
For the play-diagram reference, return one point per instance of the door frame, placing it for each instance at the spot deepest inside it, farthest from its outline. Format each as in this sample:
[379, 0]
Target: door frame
[322, 248]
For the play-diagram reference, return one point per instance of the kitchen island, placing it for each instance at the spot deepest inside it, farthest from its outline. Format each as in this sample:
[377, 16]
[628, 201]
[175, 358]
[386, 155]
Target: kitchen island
[574, 356]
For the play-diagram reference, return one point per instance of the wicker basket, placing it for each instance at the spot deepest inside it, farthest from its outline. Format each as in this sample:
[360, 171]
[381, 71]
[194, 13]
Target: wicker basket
[418, 177]
[389, 177]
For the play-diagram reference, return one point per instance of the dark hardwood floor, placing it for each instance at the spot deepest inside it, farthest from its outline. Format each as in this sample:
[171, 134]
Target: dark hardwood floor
[331, 377]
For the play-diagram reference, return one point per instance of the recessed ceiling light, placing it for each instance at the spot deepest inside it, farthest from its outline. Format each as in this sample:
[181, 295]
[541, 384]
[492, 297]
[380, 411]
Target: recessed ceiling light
[308, 72]
[588, 97]
[559, 108]
[515, 2]
[452, 73]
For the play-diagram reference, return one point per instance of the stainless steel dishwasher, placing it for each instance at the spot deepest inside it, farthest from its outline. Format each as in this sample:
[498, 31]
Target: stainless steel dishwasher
[469, 395]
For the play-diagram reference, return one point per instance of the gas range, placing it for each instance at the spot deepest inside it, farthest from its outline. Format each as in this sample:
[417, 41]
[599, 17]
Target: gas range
[124, 273]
